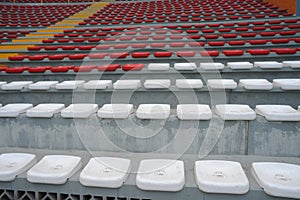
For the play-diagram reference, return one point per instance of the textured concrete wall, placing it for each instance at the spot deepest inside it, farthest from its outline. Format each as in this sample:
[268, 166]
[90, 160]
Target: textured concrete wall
[258, 137]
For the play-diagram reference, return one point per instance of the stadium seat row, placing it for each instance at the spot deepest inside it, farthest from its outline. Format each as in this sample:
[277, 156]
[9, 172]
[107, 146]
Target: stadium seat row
[212, 84]
[156, 54]
[262, 25]
[156, 67]
[153, 111]
[211, 176]
[191, 33]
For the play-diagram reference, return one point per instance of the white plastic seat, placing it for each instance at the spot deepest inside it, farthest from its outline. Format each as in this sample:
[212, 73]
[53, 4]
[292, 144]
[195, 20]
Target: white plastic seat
[69, 85]
[157, 83]
[80, 110]
[255, 84]
[189, 83]
[235, 112]
[153, 111]
[97, 84]
[159, 66]
[127, 84]
[14, 109]
[278, 179]
[221, 84]
[292, 64]
[268, 64]
[2, 83]
[287, 84]
[212, 66]
[116, 111]
[185, 66]
[193, 112]
[220, 176]
[13, 164]
[106, 172]
[54, 169]
[45, 110]
[160, 175]
[278, 112]
[16, 85]
[42, 85]
[240, 65]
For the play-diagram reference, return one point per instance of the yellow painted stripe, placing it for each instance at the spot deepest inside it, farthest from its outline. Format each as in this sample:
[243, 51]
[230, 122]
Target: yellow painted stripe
[3, 66]
[61, 27]
[49, 32]
[6, 55]
[39, 35]
[28, 39]
[14, 47]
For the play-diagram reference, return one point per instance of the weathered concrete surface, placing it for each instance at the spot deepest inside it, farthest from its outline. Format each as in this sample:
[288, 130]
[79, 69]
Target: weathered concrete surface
[274, 138]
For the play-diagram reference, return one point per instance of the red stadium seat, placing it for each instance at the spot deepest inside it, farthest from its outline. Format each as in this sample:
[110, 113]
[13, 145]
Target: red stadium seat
[233, 52]
[16, 69]
[176, 37]
[110, 67]
[79, 56]
[196, 44]
[241, 29]
[97, 55]
[94, 39]
[212, 36]
[119, 55]
[133, 67]
[86, 47]
[259, 28]
[103, 46]
[209, 53]
[267, 34]
[38, 57]
[17, 58]
[39, 69]
[280, 40]
[287, 32]
[208, 30]
[158, 37]
[177, 44]
[257, 42]
[217, 43]
[87, 68]
[284, 50]
[61, 69]
[78, 40]
[126, 38]
[163, 54]
[48, 41]
[258, 51]
[64, 40]
[142, 37]
[221, 30]
[121, 46]
[157, 45]
[34, 48]
[139, 45]
[52, 48]
[229, 35]
[236, 42]
[192, 31]
[248, 34]
[69, 47]
[186, 53]
[57, 56]
[140, 54]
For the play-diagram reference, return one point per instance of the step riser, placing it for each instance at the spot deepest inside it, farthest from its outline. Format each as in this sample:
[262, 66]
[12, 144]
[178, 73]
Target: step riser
[257, 137]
